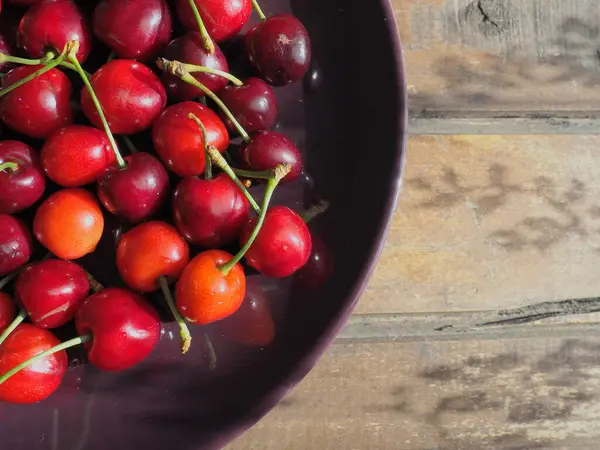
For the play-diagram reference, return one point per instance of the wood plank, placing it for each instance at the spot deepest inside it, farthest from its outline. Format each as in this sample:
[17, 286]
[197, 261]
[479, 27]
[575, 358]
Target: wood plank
[491, 222]
[514, 57]
[496, 394]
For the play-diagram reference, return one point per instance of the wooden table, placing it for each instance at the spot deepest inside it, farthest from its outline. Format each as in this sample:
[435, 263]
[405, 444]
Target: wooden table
[479, 327]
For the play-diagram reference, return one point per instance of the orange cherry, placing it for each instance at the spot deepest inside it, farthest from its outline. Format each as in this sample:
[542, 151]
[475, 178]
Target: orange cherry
[69, 223]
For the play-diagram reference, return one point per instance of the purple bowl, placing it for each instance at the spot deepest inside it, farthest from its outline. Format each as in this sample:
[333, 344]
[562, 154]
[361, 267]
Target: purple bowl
[349, 118]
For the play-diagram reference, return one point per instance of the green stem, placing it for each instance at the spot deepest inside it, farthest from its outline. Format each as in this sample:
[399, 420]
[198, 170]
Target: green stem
[184, 332]
[9, 166]
[36, 62]
[192, 68]
[207, 160]
[132, 148]
[65, 345]
[51, 65]
[264, 174]
[95, 285]
[14, 324]
[208, 43]
[7, 279]
[314, 211]
[256, 7]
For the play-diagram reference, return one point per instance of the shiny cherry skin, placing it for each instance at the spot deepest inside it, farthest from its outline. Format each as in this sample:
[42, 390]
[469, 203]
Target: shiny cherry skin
[210, 213]
[178, 140]
[189, 49]
[69, 223]
[76, 155]
[7, 311]
[136, 192]
[131, 96]
[269, 148]
[51, 291]
[133, 29]
[222, 19]
[253, 104]
[279, 49]
[204, 294]
[39, 107]
[22, 187]
[283, 244]
[149, 251]
[6, 48]
[15, 244]
[50, 24]
[125, 328]
[36, 381]
[318, 269]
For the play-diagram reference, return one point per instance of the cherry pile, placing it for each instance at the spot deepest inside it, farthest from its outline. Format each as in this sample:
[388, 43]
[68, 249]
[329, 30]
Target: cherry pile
[182, 201]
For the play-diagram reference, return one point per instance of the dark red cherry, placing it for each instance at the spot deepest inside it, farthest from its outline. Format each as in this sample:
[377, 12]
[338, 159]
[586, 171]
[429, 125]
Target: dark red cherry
[318, 269]
[253, 104]
[222, 19]
[283, 244]
[131, 96]
[190, 49]
[50, 24]
[279, 49]
[136, 192]
[40, 106]
[15, 244]
[21, 185]
[269, 148]
[210, 213]
[6, 48]
[133, 29]
[51, 291]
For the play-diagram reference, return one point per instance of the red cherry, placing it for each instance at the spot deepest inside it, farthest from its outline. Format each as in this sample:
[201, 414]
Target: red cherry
[50, 24]
[149, 251]
[40, 106]
[222, 19]
[283, 244]
[253, 104]
[7, 311]
[76, 155]
[318, 269]
[125, 328]
[51, 291]
[133, 29]
[178, 140]
[190, 49]
[204, 293]
[15, 244]
[6, 48]
[22, 186]
[279, 49]
[210, 213]
[269, 148]
[38, 380]
[131, 96]
[136, 192]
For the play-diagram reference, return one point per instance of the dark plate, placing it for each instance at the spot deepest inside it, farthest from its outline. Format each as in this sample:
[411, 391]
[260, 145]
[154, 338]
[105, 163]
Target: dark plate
[349, 118]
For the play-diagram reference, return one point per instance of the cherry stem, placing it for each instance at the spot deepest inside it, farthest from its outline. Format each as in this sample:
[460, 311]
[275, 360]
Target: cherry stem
[192, 68]
[179, 70]
[4, 58]
[14, 324]
[208, 43]
[315, 210]
[184, 332]
[256, 7]
[95, 285]
[220, 161]
[211, 355]
[132, 149]
[7, 279]
[51, 65]
[277, 174]
[264, 174]
[71, 56]
[65, 345]
[207, 160]
[9, 166]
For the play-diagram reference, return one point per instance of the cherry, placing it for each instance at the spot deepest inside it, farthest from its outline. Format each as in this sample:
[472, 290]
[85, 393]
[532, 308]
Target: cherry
[40, 106]
[15, 244]
[131, 96]
[138, 29]
[51, 291]
[318, 269]
[22, 181]
[253, 104]
[210, 213]
[279, 49]
[7, 49]
[136, 192]
[50, 24]
[124, 327]
[269, 148]
[283, 244]
[36, 381]
[69, 223]
[178, 140]
[190, 49]
[76, 155]
[7, 311]
[222, 19]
